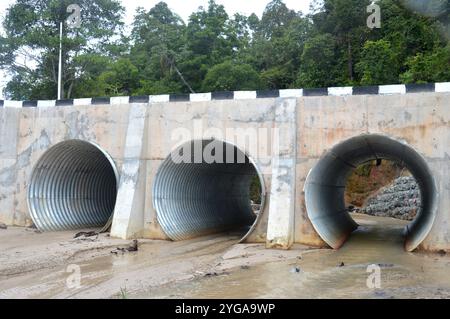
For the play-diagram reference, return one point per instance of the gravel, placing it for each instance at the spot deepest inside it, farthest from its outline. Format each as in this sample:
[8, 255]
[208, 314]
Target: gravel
[400, 200]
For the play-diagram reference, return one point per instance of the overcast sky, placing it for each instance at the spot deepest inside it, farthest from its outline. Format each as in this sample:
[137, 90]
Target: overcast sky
[184, 8]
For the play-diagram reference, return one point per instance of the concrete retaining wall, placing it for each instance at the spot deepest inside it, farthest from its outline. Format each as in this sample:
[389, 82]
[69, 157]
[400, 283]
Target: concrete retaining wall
[138, 134]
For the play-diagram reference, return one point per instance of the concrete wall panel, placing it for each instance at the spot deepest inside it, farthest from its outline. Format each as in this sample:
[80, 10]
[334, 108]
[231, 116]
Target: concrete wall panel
[306, 129]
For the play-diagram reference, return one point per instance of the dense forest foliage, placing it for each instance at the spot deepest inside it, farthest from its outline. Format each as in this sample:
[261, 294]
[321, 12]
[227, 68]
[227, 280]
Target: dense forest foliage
[160, 54]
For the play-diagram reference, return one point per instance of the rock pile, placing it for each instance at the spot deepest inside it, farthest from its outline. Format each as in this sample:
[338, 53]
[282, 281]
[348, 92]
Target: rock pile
[400, 200]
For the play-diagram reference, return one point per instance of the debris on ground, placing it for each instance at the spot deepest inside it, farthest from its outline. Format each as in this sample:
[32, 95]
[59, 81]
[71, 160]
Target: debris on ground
[134, 246]
[211, 274]
[295, 270]
[33, 229]
[386, 265]
[3, 226]
[86, 234]
[245, 267]
[118, 250]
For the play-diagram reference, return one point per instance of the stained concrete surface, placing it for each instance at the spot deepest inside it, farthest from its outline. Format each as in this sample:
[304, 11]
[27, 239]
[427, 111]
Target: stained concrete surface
[138, 137]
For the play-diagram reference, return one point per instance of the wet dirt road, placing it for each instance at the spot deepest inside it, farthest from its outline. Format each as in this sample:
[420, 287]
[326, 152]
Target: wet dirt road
[218, 267]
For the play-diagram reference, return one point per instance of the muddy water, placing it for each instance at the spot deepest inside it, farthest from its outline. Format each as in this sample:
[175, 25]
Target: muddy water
[332, 274]
[211, 267]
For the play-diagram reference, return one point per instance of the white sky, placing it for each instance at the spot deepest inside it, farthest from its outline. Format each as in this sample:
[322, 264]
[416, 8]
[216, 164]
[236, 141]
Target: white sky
[184, 8]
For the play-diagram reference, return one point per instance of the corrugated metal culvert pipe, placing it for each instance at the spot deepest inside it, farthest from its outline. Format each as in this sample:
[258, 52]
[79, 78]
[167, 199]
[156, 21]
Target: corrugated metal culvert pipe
[325, 187]
[73, 186]
[194, 197]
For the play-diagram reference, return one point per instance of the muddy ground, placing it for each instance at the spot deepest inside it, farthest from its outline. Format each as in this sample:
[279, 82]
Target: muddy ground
[36, 265]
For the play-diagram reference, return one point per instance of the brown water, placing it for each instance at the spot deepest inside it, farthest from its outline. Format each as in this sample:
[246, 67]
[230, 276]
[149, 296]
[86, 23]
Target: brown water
[332, 274]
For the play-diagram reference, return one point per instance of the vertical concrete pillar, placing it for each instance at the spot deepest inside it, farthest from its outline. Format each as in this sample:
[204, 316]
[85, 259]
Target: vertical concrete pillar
[128, 221]
[280, 231]
[9, 131]
[439, 236]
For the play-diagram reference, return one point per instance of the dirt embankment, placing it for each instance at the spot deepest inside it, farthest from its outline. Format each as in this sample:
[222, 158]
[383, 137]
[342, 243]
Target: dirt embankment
[367, 179]
[383, 189]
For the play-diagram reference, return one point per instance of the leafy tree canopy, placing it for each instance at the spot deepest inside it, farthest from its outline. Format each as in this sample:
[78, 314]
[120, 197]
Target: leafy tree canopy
[29, 48]
[213, 51]
[229, 76]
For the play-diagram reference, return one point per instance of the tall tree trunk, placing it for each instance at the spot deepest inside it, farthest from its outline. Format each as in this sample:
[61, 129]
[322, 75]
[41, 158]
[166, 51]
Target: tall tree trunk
[172, 62]
[69, 92]
[350, 59]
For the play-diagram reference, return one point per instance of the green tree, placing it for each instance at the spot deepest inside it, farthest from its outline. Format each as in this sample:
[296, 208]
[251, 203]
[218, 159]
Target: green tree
[408, 32]
[346, 21]
[318, 62]
[32, 35]
[209, 40]
[332, 46]
[121, 79]
[278, 44]
[276, 18]
[87, 83]
[378, 64]
[158, 38]
[428, 67]
[229, 76]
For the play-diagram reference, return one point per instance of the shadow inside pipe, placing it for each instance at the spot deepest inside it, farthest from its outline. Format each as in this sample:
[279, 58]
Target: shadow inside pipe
[206, 187]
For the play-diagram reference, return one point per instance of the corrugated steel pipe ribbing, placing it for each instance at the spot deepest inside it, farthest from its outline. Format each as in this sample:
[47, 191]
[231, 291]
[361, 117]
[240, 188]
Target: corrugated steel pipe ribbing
[73, 186]
[199, 198]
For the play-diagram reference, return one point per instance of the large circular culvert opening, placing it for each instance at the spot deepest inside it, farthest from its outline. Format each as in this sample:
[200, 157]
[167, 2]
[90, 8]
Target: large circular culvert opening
[73, 186]
[326, 184]
[205, 187]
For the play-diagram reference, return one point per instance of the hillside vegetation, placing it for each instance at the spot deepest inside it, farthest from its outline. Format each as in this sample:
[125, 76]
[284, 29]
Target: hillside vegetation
[212, 51]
